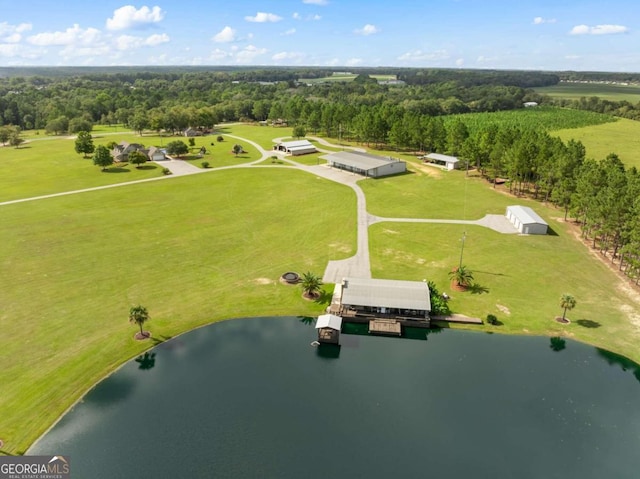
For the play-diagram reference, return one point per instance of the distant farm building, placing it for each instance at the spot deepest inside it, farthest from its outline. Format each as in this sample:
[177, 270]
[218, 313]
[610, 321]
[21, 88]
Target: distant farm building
[365, 164]
[295, 148]
[526, 220]
[191, 132]
[446, 161]
[529, 104]
[393, 299]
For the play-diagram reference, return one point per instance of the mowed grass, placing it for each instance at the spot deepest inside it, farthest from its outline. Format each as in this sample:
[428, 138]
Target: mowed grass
[520, 279]
[262, 135]
[193, 250]
[573, 91]
[621, 137]
[428, 192]
[47, 166]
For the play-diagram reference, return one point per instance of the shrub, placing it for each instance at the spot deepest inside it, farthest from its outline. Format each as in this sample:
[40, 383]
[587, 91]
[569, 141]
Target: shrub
[220, 138]
[492, 319]
[166, 171]
[439, 305]
[205, 164]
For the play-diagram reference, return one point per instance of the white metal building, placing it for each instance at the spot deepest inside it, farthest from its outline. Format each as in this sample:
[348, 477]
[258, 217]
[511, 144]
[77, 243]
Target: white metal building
[449, 162]
[526, 220]
[295, 148]
[365, 164]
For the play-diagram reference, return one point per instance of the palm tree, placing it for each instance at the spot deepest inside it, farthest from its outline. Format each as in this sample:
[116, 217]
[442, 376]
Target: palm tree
[462, 276]
[139, 315]
[567, 302]
[310, 285]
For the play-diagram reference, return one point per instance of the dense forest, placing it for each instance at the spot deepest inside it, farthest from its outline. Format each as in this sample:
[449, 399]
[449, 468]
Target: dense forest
[447, 111]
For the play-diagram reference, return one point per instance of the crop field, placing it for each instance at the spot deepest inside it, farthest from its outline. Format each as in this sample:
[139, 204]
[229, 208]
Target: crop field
[574, 91]
[548, 118]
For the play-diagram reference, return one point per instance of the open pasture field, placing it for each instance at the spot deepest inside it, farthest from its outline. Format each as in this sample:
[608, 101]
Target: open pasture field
[621, 137]
[193, 250]
[344, 78]
[574, 91]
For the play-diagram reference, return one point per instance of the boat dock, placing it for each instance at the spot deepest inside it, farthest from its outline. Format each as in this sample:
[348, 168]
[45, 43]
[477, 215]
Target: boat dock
[385, 326]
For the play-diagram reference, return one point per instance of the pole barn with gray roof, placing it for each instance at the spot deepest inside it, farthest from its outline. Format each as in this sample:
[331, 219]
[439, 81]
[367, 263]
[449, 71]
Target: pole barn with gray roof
[365, 164]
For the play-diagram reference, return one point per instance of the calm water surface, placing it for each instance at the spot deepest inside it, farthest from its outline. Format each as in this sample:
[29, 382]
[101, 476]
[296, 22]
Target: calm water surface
[251, 398]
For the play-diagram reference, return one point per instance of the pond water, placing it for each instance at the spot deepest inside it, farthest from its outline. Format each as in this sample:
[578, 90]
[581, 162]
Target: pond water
[252, 398]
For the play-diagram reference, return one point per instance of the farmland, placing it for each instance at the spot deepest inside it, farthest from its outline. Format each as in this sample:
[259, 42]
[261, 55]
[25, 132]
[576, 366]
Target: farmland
[573, 91]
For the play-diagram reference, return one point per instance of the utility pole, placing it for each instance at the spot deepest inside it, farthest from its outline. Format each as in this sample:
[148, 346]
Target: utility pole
[464, 236]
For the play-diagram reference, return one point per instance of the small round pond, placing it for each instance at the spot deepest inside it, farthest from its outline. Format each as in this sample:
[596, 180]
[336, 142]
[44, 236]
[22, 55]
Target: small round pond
[252, 398]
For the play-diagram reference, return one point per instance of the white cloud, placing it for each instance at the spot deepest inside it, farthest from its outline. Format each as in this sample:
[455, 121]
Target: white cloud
[541, 20]
[598, 30]
[368, 29]
[315, 17]
[226, 35]
[316, 2]
[291, 31]
[572, 57]
[129, 17]
[459, 62]
[419, 55]
[218, 54]
[156, 39]
[14, 50]
[71, 36]
[262, 17]
[249, 53]
[352, 62]
[12, 33]
[483, 60]
[287, 56]
[296, 16]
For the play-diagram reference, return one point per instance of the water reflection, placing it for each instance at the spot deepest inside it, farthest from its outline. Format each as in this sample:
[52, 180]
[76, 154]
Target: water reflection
[557, 343]
[625, 363]
[328, 351]
[146, 361]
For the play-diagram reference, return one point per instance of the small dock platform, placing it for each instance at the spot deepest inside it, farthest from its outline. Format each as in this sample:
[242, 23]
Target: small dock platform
[457, 318]
[389, 327]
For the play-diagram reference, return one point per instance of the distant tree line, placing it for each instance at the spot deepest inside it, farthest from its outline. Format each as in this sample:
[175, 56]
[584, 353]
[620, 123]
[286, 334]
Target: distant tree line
[176, 100]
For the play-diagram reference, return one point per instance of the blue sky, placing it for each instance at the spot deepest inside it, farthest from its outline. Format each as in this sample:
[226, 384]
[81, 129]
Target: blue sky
[547, 35]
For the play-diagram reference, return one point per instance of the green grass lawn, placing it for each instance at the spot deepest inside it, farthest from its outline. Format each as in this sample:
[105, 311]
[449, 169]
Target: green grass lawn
[48, 166]
[193, 250]
[220, 153]
[262, 135]
[573, 91]
[621, 137]
[524, 275]
[432, 193]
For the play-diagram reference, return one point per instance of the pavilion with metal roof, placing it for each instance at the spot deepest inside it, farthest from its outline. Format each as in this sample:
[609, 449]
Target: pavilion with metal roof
[394, 298]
